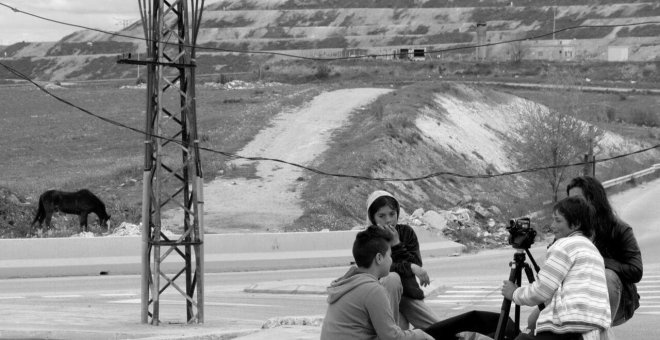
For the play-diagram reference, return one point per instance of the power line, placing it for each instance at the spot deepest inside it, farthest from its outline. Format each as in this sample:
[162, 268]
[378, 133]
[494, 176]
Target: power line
[314, 170]
[329, 59]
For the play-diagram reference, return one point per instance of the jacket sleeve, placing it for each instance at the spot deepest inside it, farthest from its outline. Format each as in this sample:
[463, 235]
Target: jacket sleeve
[550, 276]
[382, 319]
[406, 252]
[628, 264]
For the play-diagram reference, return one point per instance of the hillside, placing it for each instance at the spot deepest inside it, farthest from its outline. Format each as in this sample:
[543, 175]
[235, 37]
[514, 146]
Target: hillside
[330, 28]
[407, 131]
[448, 127]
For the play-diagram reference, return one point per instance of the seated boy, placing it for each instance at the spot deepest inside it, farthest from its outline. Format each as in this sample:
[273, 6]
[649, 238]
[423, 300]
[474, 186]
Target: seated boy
[358, 306]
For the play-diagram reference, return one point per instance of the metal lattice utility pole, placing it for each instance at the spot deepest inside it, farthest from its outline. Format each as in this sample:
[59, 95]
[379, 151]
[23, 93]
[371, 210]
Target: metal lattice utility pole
[172, 166]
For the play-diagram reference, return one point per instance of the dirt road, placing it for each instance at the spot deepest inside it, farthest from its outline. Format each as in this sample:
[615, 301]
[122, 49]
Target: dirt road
[272, 201]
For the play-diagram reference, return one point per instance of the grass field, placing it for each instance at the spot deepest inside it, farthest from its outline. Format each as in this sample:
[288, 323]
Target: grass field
[51, 145]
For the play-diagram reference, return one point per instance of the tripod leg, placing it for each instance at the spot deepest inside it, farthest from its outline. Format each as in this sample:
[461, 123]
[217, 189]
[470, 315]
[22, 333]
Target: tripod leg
[531, 321]
[519, 283]
[529, 272]
[506, 305]
[530, 278]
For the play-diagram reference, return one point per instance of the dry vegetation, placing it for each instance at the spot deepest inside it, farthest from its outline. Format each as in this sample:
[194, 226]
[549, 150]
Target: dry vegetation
[50, 145]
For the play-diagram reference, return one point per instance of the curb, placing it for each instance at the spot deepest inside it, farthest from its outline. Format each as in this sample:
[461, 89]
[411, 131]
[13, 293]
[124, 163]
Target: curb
[155, 334]
[108, 259]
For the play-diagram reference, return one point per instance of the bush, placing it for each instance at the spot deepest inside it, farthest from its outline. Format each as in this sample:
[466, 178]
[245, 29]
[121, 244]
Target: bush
[611, 114]
[323, 71]
[15, 219]
[644, 118]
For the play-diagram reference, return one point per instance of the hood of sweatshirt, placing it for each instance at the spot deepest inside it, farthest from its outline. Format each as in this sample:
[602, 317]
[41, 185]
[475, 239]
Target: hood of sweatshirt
[351, 280]
[374, 196]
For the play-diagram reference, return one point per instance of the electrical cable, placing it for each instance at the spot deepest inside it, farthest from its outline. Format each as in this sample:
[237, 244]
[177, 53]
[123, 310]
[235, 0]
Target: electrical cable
[329, 59]
[317, 171]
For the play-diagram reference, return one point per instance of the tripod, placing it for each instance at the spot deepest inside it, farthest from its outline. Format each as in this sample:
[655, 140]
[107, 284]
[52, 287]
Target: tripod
[515, 276]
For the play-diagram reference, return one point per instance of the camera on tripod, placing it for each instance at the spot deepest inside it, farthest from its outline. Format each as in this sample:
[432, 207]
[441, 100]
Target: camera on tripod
[521, 233]
[521, 237]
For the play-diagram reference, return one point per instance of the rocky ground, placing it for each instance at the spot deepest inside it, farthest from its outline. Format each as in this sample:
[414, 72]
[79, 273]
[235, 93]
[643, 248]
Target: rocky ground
[471, 225]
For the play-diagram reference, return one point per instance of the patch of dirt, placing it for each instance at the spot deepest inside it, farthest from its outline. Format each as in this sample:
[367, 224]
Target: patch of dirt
[271, 201]
[474, 129]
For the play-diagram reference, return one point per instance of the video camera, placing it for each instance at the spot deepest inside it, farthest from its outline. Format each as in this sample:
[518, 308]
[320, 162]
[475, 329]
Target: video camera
[521, 233]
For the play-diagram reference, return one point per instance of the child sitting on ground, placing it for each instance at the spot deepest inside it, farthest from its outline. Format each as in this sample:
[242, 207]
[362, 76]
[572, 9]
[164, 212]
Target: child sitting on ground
[358, 305]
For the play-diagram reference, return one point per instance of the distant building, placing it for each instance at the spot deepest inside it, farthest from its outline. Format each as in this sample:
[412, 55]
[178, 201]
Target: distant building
[481, 41]
[414, 54]
[617, 53]
[550, 49]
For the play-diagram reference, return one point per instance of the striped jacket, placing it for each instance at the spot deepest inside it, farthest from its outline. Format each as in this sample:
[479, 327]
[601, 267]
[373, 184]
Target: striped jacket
[572, 285]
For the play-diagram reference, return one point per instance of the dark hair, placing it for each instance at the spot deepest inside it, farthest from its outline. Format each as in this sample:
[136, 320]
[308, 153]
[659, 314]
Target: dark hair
[594, 193]
[368, 243]
[380, 202]
[577, 212]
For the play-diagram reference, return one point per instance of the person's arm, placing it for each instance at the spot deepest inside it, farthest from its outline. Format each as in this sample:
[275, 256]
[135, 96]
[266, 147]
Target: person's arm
[553, 272]
[381, 317]
[629, 265]
[406, 253]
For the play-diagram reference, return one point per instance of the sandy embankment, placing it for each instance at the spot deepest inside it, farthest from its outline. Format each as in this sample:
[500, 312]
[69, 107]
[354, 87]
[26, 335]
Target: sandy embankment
[273, 200]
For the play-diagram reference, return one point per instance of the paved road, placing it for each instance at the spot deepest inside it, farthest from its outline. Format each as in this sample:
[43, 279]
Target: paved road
[459, 284]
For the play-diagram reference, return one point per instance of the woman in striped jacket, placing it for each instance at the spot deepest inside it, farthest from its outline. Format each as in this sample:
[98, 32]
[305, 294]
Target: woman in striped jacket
[571, 283]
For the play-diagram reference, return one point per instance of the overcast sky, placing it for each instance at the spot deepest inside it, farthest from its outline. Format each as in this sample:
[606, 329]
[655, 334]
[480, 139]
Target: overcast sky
[107, 15]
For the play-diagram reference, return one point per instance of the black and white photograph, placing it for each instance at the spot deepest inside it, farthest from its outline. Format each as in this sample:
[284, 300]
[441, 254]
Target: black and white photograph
[330, 169]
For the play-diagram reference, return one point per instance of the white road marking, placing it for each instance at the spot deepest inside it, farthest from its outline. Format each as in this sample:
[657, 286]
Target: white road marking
[11, 297]
[469, 291]
[206, 303]
[61, 296]
[463, 296]
[118, 294]
[440, 301]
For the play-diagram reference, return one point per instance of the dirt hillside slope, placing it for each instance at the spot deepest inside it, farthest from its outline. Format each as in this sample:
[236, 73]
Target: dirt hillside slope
[271, 201]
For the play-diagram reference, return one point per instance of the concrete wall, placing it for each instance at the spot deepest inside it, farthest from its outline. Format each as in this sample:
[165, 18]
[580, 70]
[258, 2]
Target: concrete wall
[222, 252]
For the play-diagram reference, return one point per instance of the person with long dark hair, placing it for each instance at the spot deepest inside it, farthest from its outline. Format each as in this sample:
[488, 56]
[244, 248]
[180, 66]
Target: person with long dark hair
[617, 244]
[571, 283]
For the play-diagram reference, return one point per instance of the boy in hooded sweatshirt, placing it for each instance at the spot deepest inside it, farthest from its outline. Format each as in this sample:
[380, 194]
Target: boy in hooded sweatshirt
[358, 305]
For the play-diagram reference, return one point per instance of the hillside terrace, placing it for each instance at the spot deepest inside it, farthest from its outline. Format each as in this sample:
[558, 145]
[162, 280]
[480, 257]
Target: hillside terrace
[377, 25]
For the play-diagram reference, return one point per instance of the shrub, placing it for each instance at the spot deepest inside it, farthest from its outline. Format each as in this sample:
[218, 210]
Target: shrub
[323, 71]
[644, 118]
[611, 114]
